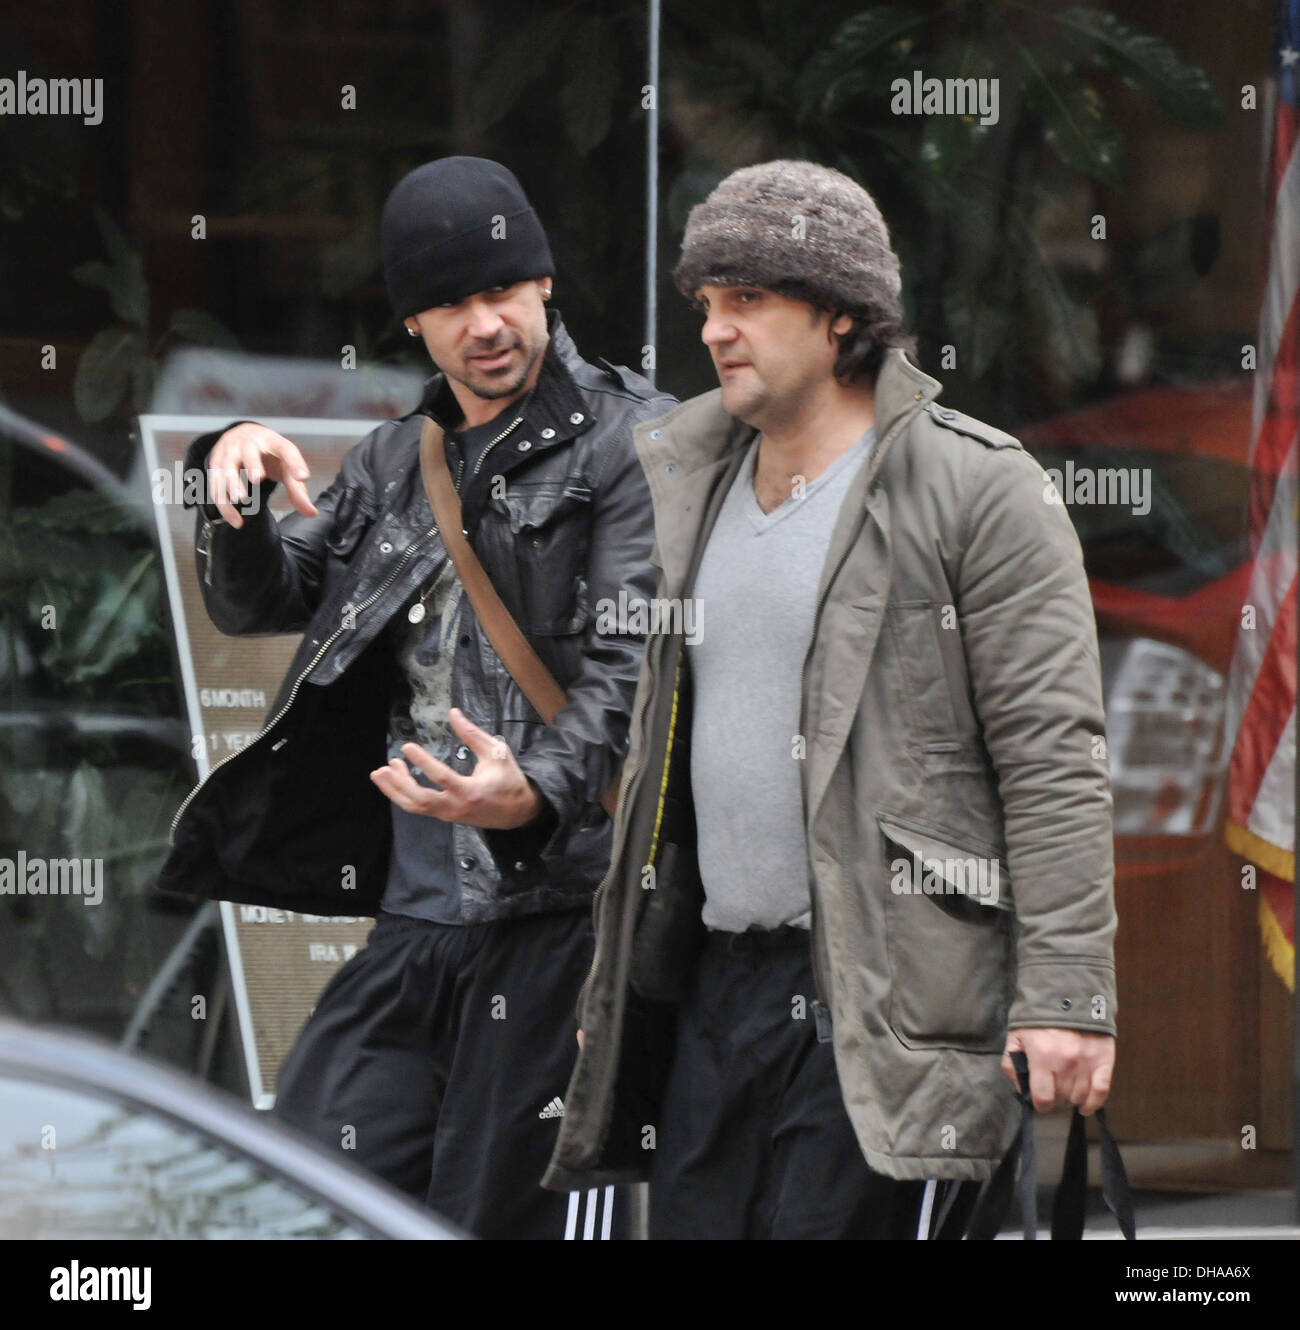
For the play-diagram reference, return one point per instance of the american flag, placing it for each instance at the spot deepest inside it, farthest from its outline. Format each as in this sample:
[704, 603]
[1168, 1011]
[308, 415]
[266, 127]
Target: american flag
[1262, 683]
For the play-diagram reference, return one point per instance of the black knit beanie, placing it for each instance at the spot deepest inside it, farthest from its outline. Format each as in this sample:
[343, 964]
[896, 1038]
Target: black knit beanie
[456, 226]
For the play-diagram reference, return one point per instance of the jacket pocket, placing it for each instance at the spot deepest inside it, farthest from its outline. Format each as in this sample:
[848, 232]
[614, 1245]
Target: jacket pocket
[917, 637]
[550, 526]
[949, 930]
[353, 517]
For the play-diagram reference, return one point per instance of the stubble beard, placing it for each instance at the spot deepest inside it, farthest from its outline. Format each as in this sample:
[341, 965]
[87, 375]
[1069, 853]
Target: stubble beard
[746, 402]
[494, 389]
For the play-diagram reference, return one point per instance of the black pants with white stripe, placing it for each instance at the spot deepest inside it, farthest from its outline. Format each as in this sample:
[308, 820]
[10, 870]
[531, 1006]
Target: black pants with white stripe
[438, 1057]
[754, 1140]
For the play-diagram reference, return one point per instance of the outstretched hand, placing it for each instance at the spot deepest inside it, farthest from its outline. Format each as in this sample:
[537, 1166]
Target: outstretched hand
[495, 795]
[252, 453]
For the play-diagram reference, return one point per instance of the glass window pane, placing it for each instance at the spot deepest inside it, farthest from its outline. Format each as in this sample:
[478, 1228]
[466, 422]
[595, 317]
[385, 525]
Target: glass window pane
[73, 1165]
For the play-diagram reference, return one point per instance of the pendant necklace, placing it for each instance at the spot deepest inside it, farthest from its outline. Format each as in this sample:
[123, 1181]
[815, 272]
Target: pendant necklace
[418, 611]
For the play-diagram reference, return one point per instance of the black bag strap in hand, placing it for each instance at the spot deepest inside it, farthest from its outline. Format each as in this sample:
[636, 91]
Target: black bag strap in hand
[1068, 1206]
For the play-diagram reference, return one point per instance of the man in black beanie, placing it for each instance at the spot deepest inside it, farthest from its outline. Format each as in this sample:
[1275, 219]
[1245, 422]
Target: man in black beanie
[402, 772]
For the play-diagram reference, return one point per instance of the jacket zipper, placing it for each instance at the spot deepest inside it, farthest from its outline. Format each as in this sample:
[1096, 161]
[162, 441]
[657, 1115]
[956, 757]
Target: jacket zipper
[821, 1010]
[204, 547]
[668, 758]
[315, 660]
[482, 457]
[625, 785]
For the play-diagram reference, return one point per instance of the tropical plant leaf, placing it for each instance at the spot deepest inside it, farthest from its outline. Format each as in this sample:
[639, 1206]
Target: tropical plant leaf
[116, 245]
[591, 71]
[118, 621]
[94, 273]
[197, 325]
[976, 325]
[789, 28]
[1146, 62]
[1075, 124]
[347, 263]
[82, 510]
[104, 371]
[122, 276]
[948, 142]
[517, 63]
[143, 374]
[978, 253]
[756, 58]
[858, 41]
[848, 87]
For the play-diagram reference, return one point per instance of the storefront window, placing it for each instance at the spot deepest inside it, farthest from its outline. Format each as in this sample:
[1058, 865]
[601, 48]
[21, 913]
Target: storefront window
[1085, 242]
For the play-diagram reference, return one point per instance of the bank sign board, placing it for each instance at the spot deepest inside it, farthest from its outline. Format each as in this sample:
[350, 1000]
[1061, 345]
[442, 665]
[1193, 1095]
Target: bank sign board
[280, 960]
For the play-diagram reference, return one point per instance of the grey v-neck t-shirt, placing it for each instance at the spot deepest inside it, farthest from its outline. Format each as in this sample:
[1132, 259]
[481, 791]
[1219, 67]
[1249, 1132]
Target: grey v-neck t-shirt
[757, 590]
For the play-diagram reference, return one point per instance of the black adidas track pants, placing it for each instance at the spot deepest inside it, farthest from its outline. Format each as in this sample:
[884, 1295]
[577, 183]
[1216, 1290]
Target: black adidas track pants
[753, 1139]
[438, 1057]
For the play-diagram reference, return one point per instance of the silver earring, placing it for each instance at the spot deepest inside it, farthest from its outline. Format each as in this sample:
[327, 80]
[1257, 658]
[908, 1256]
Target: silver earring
[412, 332]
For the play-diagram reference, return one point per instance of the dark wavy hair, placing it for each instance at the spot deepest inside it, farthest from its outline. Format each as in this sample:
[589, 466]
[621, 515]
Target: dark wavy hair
[862, 349]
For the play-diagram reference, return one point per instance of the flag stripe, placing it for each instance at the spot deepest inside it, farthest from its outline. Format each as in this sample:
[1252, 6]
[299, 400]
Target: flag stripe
[1273, 696]
[1262, 685]
[1271, 573]
[1272, 818]
[1273, 444]
[1281, 284]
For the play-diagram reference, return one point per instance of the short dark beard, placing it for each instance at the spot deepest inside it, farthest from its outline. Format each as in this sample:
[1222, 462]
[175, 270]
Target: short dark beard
[496, 394]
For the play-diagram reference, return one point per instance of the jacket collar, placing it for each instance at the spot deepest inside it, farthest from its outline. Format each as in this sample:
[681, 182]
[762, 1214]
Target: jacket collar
[555, 411]
[691, 455]
[700, 432]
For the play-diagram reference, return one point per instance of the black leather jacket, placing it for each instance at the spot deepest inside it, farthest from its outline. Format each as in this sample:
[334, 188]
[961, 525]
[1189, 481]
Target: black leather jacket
[293, 820]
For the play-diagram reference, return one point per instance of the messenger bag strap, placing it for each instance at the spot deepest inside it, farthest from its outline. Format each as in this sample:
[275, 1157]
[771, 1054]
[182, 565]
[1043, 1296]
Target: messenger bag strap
[526, 667]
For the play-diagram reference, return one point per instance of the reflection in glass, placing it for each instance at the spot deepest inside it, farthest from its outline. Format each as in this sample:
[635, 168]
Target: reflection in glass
[74, 1166]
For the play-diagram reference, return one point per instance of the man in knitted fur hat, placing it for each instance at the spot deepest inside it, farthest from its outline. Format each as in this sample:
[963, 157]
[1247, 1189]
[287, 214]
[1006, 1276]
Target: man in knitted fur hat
[865, 846]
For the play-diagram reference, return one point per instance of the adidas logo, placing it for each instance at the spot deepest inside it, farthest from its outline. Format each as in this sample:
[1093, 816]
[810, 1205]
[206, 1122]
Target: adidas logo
[555, 1109]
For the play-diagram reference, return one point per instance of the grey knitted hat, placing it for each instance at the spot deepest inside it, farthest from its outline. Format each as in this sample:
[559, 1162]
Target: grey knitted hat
[796, 228]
